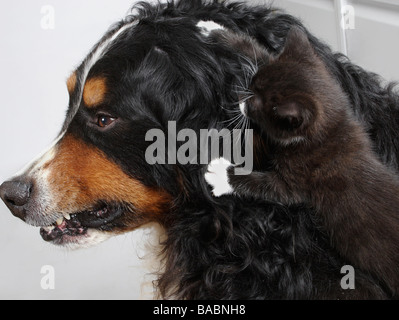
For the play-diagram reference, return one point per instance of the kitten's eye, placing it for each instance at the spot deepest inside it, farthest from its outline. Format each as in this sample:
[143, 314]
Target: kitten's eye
[104, 121]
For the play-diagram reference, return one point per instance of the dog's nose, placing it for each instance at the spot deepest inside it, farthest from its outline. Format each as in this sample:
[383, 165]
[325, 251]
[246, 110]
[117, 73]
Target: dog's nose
[15, 195]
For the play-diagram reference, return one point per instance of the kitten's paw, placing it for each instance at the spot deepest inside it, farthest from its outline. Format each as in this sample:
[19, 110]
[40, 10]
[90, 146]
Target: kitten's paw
[217, 177]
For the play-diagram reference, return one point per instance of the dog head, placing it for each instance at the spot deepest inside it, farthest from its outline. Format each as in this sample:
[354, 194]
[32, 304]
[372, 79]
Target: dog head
[94, 181]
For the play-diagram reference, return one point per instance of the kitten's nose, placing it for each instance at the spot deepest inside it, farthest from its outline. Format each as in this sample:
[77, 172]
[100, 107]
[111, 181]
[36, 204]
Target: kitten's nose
[16, 195]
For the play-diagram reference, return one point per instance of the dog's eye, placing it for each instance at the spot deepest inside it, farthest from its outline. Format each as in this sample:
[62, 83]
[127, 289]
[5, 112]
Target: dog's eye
[104, 121]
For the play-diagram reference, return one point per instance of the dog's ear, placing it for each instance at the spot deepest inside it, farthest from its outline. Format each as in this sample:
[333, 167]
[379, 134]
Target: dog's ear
[297, 45]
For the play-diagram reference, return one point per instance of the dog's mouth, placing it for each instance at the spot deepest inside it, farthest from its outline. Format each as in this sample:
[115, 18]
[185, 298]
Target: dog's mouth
[71, 227]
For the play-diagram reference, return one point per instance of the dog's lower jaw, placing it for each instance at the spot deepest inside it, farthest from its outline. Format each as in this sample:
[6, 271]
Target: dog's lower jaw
[89, 238]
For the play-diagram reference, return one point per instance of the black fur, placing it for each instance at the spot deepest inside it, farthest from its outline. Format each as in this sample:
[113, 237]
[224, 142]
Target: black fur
[244, 249]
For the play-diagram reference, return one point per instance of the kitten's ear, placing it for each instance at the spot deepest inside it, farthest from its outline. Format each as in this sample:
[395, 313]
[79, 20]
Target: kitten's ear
[297, 45]
[289, 115]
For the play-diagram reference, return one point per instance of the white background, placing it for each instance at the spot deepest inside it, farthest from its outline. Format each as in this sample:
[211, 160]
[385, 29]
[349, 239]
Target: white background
[34, 65]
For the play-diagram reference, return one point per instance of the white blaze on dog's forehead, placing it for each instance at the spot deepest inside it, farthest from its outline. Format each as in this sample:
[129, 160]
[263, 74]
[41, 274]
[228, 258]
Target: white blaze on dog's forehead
[208, 26]
[94, 56]
[103, 47]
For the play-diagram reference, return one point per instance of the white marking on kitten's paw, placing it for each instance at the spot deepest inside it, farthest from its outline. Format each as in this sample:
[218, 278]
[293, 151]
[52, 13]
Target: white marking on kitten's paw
[217, 177]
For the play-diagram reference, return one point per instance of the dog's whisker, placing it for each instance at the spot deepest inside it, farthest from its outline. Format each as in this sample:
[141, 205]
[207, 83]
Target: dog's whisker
[230, 122]
[244, 93]
[245, 98]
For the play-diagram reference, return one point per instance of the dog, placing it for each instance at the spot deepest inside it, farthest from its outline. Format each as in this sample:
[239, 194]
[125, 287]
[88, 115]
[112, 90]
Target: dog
[162, 64]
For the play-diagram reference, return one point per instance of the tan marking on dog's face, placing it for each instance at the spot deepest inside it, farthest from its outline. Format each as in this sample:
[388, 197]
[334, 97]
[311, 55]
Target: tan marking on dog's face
[71, 82]
[80, 175]
[94, 91]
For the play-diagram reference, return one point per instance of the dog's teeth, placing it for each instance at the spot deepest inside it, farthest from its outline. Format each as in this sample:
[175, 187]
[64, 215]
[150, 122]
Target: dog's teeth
[59, 221]
[67, 216]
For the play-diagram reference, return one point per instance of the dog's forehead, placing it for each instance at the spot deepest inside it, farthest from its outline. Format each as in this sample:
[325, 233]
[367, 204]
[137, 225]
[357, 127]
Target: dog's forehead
[84, 86]
[77, 80]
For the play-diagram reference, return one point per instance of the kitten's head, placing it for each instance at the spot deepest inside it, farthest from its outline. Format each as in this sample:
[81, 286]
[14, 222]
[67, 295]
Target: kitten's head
[293, 94]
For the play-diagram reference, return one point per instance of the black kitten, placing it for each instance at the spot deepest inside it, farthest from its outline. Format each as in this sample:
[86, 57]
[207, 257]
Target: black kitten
[321, 156]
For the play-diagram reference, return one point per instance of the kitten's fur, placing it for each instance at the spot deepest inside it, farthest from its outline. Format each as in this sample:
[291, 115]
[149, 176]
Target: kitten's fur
[322, 156]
